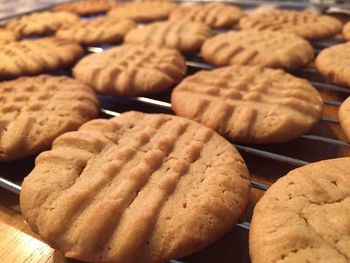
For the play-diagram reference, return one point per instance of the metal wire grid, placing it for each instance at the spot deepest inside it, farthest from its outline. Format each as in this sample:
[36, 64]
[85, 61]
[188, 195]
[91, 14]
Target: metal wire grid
[196, 63]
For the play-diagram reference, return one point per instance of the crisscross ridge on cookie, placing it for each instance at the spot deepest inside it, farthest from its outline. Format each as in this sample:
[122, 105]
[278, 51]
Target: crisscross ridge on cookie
[36, 56]
[41, 23]
[136, 188]
[130, 70]
[35, 110]
[97, 31]
[308, 25]
[215, 15]
[249, 104]
[304, 216]
[143, 11]
[185, 36]
[251, 47]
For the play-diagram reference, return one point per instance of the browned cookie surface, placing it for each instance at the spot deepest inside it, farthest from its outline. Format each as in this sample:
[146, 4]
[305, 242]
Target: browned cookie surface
[7, 36]
[215, 15]
[135, 188]
[346, 31]
[187, 37]
[41, 23]
[308, 25]
[304, 216]
[143, 11]
[344, 117]
[249, 103]
[251, 47]
[334, 64]
[35, 110]
[29, 57]
[97, 31]
[86, 7]
[131, 70]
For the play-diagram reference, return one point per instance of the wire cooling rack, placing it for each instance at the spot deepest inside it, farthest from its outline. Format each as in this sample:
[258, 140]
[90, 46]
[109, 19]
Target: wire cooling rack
[266, 162]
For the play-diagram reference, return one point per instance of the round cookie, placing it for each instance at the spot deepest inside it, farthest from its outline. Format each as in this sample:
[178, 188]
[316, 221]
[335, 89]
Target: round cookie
[346, 31]
[131, 70]
[135, 188]
[344, 116]
[249, 103]
[29, 57]
[41, 23]
[251, 47]
[215, 15]
[35, 110]
[309, 25]
[143, 11]
[304, 216]
[97, 31]
[86, 7]
[187, 37]
[334, 64]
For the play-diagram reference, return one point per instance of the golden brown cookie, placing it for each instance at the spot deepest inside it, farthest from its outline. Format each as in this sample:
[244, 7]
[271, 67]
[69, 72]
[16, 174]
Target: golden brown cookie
[135, 188]
[251, 47]
[41, 23]
[131, 70]
[249, 103]
[86, 7]
[7, 36]
[143, 11]
[187, 37]
[334, 64]
[215, 15]
[309, 25]
[97, 31]
[29, 57]
[35, 110]
[304, 216]
[346, 31]
[344, 116]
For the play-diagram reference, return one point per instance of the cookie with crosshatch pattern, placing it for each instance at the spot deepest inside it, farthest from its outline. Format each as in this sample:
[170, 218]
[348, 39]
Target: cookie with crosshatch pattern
[35, 110]
[97, 31]
[334, 64]
[344, 116]
[86, 7]
[306, 24]
[131, 70]
[41, 23]
[215, 15]
[249, 103]
[304, 216]
[135, 188]
[142, 11]
[187, 37]
[251, 47]
[28, 57]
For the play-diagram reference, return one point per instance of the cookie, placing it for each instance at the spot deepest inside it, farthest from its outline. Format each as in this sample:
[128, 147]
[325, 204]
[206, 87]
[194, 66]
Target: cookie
[97, 31]
[249, 103]
[135, 188]
[344, 116]
[306, 24]
[86, 7]
[334, 64]
[29, 57]
[346, 31]
[215, 15]
[43, 23]
[35, 110]
[7, 36]
[131, 70]
[187, 37]
[251, 47]
[143, 11]
[304, 216]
